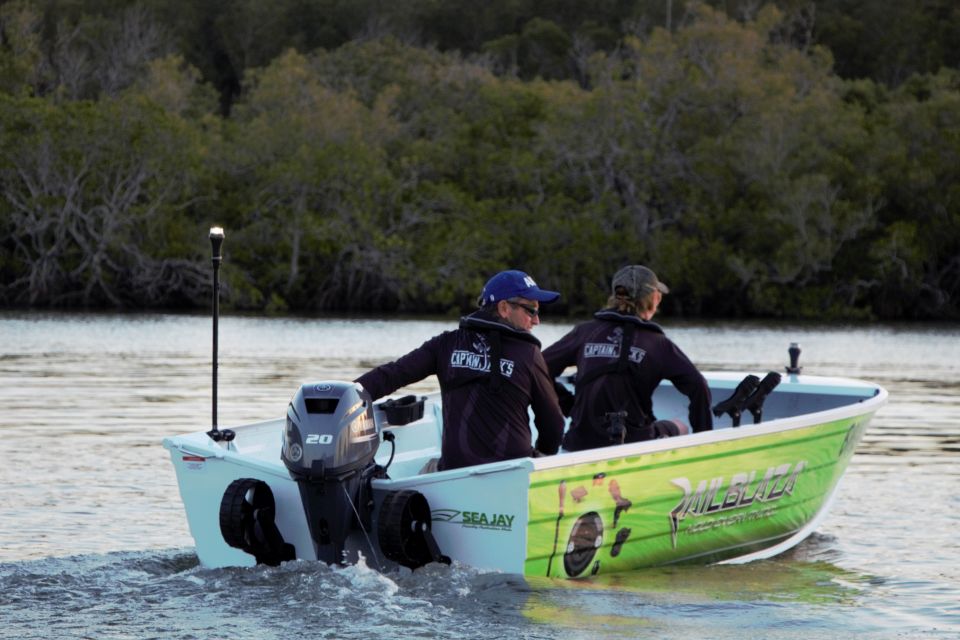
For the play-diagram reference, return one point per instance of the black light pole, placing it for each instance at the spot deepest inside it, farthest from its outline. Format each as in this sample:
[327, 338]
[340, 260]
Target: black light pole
[216, 242]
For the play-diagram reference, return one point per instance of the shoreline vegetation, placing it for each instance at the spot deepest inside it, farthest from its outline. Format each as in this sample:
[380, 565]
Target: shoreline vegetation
[793, 160]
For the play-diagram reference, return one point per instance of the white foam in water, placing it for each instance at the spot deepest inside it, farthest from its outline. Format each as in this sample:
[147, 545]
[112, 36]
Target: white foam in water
[364, 577]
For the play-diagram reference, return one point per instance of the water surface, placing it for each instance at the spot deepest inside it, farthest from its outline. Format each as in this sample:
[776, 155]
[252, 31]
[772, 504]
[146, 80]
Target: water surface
[94, 543]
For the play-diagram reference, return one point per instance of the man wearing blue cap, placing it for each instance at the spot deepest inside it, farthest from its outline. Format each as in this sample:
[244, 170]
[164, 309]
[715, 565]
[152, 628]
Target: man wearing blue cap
[490, 371]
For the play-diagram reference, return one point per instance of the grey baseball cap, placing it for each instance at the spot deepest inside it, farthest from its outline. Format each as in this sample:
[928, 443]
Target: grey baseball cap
[638, 281]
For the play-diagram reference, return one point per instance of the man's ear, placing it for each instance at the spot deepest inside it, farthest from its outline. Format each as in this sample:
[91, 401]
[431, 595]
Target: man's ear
[503, 309]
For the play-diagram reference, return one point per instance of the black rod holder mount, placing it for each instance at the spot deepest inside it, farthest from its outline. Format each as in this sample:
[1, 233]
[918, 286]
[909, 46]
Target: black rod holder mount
[756, 399]
[735, 404]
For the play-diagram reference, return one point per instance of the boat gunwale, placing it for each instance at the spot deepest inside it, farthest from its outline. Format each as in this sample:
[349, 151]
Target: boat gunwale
[866, 406]
[193, 444]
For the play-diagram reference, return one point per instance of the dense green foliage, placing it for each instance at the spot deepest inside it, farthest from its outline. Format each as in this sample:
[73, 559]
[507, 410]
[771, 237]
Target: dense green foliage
[364, 157]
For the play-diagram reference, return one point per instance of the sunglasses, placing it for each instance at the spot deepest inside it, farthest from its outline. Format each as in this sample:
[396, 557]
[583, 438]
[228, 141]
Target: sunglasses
[533, 312]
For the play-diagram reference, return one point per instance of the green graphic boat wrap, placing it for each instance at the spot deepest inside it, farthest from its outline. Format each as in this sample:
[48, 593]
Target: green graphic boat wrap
[702, 503]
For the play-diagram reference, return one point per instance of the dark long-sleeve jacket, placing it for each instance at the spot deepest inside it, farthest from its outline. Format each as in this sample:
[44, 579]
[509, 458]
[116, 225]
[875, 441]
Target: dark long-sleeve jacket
[610, 379]
[485, 415]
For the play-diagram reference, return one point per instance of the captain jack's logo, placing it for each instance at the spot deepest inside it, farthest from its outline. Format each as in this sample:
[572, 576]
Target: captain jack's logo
[479, 360]
[710, 497]
[611, 348]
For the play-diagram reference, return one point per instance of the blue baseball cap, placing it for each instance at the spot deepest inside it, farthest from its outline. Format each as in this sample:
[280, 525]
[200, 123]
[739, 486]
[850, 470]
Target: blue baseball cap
[514, 284]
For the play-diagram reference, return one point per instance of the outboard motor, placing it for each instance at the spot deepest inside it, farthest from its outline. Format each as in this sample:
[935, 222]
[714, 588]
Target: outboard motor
[328, 446]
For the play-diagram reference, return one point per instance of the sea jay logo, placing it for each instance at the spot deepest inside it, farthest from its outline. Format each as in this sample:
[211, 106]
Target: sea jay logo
[474, 519]
[479, 359]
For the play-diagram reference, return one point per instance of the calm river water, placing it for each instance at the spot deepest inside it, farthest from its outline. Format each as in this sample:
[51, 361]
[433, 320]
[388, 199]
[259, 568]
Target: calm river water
[94, 542]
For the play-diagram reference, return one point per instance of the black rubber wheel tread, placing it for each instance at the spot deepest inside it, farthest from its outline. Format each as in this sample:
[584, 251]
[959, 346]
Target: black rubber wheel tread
[395, 528]
[236, 512]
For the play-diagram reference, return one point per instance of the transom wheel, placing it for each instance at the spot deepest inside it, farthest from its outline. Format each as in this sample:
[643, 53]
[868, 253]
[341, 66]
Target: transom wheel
[403, 527]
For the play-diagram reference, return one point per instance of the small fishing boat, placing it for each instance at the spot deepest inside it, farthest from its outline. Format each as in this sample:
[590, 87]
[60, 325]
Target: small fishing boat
[338, 479]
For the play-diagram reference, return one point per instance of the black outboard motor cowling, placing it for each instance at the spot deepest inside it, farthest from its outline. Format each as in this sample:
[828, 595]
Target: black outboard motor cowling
[328, 446]
[330, 430]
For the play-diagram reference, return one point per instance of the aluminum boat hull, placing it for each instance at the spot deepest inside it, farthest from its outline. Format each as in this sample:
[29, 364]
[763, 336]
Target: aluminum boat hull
[727, 495]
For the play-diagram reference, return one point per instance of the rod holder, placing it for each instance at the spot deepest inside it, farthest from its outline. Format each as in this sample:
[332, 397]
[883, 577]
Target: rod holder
[735, 404]
[757, 398]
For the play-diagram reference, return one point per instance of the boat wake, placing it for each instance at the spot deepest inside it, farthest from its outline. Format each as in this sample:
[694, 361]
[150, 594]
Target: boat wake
[168, 594]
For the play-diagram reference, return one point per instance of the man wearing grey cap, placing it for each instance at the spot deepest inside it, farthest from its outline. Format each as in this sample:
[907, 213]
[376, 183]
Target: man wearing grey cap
[621, 357]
